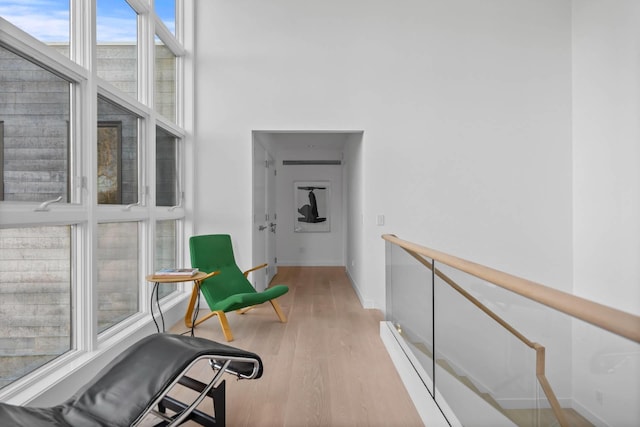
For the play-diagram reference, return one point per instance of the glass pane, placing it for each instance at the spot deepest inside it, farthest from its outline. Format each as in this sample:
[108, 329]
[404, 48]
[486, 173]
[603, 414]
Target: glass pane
[481, 364]
[166, 252]
[46, 20]
[118, 278]
[117, 154]
[166, 168]
[34, 135]
[117, 50]
[35, 298]
[606, 377]
[409, 306]
[166, 11]
[165, 81]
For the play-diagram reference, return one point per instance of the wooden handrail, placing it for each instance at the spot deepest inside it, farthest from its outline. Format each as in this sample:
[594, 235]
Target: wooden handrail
[616, 321]
[474, 300]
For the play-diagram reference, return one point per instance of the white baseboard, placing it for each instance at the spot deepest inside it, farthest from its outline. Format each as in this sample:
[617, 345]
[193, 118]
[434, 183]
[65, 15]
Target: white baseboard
[364, 302]
[425, 405]
[590, 416]
[309, 263]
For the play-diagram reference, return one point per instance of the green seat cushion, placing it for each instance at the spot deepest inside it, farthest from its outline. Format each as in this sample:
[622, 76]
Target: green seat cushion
[238, 301]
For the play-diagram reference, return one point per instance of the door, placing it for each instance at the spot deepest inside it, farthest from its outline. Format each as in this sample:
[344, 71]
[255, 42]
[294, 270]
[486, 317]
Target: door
[270, 244]
[260, 221]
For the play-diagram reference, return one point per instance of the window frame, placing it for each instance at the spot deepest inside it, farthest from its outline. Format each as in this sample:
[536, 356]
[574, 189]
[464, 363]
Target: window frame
[82, 212]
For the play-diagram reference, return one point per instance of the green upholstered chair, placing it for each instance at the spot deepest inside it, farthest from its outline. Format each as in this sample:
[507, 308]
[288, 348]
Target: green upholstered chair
[227, 288]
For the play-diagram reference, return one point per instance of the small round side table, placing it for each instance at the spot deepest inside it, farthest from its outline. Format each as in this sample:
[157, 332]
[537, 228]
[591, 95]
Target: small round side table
[156, 280]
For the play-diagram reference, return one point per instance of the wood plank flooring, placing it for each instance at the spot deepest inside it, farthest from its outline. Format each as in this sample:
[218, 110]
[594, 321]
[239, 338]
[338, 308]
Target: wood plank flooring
[326, 366]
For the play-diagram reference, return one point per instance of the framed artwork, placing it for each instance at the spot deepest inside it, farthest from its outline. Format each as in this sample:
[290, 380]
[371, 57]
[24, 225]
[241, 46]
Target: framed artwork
[312, 209]
[109, 163]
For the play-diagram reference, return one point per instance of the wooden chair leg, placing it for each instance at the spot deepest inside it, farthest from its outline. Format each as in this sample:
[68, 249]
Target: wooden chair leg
[200, 320]
[244, 310]
[188, 317]
[222, 318]
[278, 310]
[226, 329]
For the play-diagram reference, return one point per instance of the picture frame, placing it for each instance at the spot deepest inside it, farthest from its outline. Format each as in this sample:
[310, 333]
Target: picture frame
[312, 206]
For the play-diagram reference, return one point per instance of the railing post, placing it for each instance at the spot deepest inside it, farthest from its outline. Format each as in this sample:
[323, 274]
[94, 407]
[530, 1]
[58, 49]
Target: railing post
[546, 387]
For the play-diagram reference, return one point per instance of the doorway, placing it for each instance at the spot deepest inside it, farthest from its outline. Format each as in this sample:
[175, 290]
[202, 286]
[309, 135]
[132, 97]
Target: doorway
[284, 159]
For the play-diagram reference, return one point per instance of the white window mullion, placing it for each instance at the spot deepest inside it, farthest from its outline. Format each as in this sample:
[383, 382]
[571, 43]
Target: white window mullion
[185, 22]
[87, 295]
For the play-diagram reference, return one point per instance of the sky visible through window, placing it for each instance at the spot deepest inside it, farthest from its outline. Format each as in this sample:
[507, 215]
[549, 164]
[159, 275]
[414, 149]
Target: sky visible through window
[48, 20]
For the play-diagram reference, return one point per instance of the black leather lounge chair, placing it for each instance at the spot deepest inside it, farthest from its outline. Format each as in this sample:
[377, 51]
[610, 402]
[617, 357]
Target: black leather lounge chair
[135, 384]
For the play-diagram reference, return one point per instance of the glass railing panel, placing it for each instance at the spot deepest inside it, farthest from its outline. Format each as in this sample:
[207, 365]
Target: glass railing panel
[484, 373]
[409, 306]
[593, 374]
[605, 377]
[587, 377]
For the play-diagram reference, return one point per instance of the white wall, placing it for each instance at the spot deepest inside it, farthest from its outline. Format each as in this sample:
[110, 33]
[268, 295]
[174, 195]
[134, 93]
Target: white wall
[606, 147]
[606, 131]
[465, 108]
[354, 186]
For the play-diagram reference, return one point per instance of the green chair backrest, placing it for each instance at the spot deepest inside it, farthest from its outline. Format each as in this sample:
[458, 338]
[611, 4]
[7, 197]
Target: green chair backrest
[214, 252]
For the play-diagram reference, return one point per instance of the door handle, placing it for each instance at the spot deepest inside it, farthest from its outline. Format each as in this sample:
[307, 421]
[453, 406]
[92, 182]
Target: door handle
[273, 227]
[262, 227]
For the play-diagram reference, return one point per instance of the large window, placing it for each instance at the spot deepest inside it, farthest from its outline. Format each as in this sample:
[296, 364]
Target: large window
[166, 254]
[117, 167]
[46, 20]
[117, 50]
[35, 109]
[118, 277]
[165, 80]
[35, 298]
[166, 10]
[91, 155]
[167, 185]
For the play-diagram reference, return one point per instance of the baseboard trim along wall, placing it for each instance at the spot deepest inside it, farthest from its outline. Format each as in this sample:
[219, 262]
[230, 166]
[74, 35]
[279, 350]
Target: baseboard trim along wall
[422, 400]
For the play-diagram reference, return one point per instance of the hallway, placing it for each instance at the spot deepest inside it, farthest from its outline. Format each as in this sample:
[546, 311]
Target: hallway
[326, 367]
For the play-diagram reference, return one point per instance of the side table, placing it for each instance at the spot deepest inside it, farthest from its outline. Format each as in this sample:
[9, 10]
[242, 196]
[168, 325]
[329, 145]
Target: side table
[156, 280]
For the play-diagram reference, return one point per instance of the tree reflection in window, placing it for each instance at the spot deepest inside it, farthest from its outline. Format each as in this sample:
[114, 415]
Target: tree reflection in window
[117, 169]
[109, 163]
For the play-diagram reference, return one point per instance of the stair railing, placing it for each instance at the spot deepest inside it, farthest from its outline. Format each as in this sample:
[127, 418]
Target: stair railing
[621, 323]
[539, 349]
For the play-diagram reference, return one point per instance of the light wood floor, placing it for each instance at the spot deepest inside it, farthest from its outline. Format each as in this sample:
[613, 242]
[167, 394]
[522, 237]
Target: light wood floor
[326, 366]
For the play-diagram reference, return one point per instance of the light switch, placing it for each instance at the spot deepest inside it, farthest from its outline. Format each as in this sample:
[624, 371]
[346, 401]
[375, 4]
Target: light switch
[380, 219]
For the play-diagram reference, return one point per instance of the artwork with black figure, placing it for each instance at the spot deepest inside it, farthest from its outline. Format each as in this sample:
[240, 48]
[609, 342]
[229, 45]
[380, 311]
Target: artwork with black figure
[309, 211]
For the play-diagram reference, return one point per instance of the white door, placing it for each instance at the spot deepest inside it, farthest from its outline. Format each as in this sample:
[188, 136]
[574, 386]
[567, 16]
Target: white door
[260, 222]
[272, 217]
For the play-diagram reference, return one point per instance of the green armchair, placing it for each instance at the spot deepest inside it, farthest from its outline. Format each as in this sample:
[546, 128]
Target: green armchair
[227, 287]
